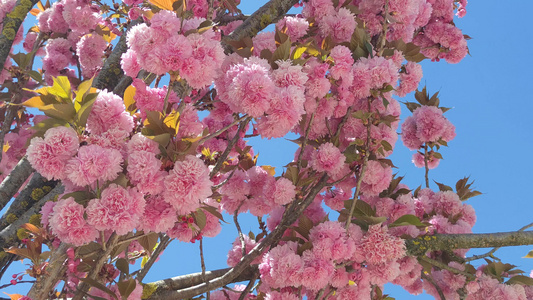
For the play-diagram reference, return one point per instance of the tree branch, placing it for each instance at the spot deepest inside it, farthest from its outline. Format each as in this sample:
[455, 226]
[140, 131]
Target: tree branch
[54, 272]
[13, 181]
[421, 245]
[9, 234]
[111, 73]
[11, 25]
[269, 13]
[26, 199]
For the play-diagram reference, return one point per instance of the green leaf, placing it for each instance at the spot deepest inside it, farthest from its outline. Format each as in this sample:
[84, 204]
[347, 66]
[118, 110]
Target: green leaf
[200, 218]
[123, 265]
[126, 287]
[149, 241]
[99, 286]
[283, 52]
[83, 89]
[386, 145]
[83, 113]
[437, 155]
[63, 111]
[407, 220]
[61, 88]
[443, 187]
[520, 279]
[213, 210]
[81, 197]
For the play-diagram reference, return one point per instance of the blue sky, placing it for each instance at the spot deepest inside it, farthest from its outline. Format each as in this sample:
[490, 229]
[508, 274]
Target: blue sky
[492, 107]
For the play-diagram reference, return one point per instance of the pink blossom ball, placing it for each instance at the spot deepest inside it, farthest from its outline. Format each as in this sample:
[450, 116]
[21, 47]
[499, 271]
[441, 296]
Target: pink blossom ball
[187, 184]
[328, 158]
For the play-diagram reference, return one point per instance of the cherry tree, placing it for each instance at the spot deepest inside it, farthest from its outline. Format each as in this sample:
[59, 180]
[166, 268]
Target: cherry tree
[146, 109]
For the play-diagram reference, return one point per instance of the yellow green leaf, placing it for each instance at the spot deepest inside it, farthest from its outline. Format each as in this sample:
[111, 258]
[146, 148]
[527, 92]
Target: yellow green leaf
[83, 89]
[83, 113]
[270, 170]
[129, 100]
[61, 88]
[297, 53]
[173, 121]
[36, 102]
[64, 111]
[6, 147]
[529, 254]
[163, 4]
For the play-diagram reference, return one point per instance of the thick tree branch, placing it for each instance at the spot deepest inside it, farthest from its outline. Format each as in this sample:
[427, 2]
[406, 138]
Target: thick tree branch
[11, 25]
[269, 13]
[32, 192]
[13, 181]
[111, 73]
[8, 236]
[414, 246]
[54, 272]
[421, 245]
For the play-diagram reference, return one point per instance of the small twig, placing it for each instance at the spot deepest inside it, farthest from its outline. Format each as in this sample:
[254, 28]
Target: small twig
[165, 241]
[131, 238]
[22, 281]
[437, 287]
[383, 38]
[202, 262]
[444, 266]
[426, 165]
[241, 236]
[361, 173]
[320, 293]
[304, 143]
[226, 152]
[220, 131]
[249, 286]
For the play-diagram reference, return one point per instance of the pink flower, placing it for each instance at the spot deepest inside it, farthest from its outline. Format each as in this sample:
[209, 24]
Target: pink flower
[296, 27]
[108, 112]
[316, 272]
[330, 241]
[342, 56]
[376, 178]
[235, 254]
[282, 267]
[410, 79]
[378, 246]
[262, 41]
[129, 63]
[328, 158]
[93, 163]
[63, 141]
[340, 25]
[80, 18]
[284, 191]
[250, 88]
[68, 224]
[139, 142]
[187, 184]
[43, 159]
[430, 123]
[118, 209]
[46, 211]
[419, 161]
[90, 50]
[158, 216]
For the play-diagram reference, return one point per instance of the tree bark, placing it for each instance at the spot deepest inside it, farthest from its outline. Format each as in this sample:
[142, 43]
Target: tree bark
[13, 181]
[11, 25]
